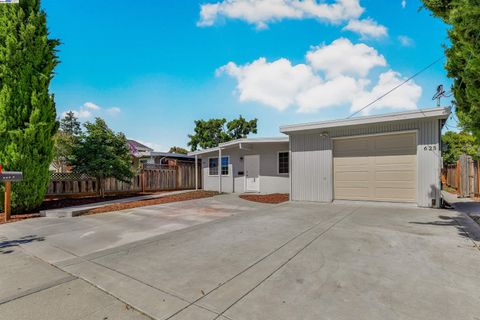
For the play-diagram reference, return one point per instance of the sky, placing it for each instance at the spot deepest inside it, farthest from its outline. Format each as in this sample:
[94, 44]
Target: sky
[151, 68]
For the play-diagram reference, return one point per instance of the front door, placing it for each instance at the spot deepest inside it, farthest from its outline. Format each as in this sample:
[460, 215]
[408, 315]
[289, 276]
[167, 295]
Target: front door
[252, 173]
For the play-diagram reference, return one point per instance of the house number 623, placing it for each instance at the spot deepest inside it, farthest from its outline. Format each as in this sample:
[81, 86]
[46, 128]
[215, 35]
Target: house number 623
[430, 148]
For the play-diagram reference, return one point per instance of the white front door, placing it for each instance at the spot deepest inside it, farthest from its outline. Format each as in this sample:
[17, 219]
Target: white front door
[252, 173]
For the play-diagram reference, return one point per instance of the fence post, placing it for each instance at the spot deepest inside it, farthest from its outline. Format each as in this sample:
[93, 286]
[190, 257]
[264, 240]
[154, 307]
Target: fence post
[142, 180]
[177, 177]
[459, 187]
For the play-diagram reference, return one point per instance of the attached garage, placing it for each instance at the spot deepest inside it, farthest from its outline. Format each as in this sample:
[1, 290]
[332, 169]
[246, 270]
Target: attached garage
[389, 158]
[376, 168]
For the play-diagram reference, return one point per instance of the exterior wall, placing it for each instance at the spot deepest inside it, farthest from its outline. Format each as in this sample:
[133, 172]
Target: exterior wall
[270, 180]
[312, 159]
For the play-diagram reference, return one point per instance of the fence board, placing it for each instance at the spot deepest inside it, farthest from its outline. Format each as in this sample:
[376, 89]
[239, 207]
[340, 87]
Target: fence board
[181, 177]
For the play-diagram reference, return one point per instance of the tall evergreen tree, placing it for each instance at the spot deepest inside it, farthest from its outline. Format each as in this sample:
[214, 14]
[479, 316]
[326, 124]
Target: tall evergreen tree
[27, 109]
[70, 125]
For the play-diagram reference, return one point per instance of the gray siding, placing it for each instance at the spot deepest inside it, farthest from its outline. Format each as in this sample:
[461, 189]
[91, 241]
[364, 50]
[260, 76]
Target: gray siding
[270, 180]
[312, 159]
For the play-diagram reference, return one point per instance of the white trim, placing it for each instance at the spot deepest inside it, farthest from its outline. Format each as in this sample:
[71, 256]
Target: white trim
[441, 113]
[278, 163]
[219, 167]
[390, 133]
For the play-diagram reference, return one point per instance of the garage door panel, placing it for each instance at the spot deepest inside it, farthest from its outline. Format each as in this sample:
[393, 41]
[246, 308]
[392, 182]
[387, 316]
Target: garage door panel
[383, 169]
[396, 160]
[401, 195]
[395, 176]
[352, 193]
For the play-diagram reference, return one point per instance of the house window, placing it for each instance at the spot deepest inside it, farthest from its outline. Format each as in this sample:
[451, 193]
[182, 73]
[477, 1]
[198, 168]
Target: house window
[283, 163]
[213, 166]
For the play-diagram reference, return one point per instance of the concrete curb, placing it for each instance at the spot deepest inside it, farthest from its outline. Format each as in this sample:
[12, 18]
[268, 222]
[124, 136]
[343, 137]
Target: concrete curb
[78, 210]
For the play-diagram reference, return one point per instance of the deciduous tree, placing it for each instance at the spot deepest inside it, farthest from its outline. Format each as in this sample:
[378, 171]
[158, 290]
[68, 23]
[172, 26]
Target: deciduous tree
[210, 133]
[102, 153]
[463, 56]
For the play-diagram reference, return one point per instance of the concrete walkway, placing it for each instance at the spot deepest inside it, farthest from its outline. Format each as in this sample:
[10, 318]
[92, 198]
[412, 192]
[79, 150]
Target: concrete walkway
[74, 211]
[292, 261]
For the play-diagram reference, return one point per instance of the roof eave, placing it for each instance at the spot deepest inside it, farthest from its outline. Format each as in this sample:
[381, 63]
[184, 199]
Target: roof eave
[440, 113]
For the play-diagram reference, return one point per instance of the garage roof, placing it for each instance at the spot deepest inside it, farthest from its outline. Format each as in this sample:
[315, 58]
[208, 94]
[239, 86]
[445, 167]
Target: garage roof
[440, 113]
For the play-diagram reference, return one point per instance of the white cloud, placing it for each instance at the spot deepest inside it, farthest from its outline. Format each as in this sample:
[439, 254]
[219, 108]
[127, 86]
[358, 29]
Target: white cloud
[274, 84]
[91, 106]
[262, 12]
[342, 57]
[404, 4]
[367, 28]
[113, 111]
[404, 98]
[406, 41]
[336, 92]
[335, 75]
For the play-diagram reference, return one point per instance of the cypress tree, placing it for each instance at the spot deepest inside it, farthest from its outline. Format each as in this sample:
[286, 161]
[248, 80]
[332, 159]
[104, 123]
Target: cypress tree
[27, 109]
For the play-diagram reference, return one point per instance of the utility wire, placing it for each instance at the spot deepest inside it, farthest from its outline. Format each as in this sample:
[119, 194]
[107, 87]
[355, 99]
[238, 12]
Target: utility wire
[401, 84]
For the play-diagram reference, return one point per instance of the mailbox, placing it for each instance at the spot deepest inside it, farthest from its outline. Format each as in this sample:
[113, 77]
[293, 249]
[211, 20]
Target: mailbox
[12, 176]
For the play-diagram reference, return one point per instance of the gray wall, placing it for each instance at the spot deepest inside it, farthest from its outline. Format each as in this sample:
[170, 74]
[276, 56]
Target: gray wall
[312, 160]
[270, 180]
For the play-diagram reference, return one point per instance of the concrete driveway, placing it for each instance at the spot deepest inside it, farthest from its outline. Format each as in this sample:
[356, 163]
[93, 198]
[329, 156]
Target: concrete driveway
[250, 261]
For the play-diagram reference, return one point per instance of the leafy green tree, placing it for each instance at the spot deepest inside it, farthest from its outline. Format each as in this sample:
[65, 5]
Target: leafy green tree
[102, 153]
[457, 144]
[210, 133]
[178, 150]
[463, 56]
[27, 109]
[241, 128]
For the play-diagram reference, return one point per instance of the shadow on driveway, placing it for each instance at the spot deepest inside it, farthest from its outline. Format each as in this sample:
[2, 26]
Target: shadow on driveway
[6, 246]
[466, 226]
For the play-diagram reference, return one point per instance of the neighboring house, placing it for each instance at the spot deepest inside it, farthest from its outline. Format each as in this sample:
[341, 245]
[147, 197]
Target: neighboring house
[392, 157]
[247, 165]
[146, 157]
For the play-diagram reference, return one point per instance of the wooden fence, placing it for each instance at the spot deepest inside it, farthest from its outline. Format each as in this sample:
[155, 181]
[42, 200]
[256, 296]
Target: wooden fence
[181, 177]
[463, 177]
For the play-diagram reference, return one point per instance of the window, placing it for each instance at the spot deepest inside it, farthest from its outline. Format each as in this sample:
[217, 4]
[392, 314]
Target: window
[213, 166]
[283, 163]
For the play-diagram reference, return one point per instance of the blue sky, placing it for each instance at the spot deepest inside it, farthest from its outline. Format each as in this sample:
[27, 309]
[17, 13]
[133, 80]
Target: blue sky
[151, 68]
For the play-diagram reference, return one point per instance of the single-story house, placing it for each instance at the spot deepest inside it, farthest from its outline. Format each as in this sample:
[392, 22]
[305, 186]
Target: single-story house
[247, 165]
[146, 157]
[391, 158]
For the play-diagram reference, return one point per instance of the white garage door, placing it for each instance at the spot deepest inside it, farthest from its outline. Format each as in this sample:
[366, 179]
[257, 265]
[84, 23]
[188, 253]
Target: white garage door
[376, 168]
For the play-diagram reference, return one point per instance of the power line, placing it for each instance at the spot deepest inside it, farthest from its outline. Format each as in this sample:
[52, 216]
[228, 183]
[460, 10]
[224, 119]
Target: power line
[401, 84]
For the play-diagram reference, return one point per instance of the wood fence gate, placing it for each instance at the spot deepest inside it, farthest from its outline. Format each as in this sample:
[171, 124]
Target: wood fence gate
[464, 177]
[180, 177]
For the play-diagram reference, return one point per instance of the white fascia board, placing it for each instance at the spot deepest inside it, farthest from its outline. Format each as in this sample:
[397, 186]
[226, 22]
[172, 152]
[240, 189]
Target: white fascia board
[440, 113]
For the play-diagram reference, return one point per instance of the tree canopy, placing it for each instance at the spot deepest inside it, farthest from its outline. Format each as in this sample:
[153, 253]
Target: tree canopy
[210, 133]
[178, 150]
[70, 125]
[463, 56]
[65, 139]
[101, 153]
[457, 144]
[27, 109]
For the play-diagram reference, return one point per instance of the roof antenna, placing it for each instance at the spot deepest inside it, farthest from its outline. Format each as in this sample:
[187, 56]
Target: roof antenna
[441, 93]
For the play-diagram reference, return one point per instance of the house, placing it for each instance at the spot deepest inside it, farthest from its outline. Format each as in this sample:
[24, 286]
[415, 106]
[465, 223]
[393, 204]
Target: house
[391, 157]
[247, 165]
[146, 157]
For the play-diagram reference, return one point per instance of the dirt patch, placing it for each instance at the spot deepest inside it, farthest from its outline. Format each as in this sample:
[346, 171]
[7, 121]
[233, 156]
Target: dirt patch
[18, 217]
[267, 198]
[151, 202]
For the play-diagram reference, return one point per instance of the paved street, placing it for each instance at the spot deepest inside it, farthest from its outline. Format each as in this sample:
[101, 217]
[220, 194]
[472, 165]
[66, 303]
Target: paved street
[225, 258]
